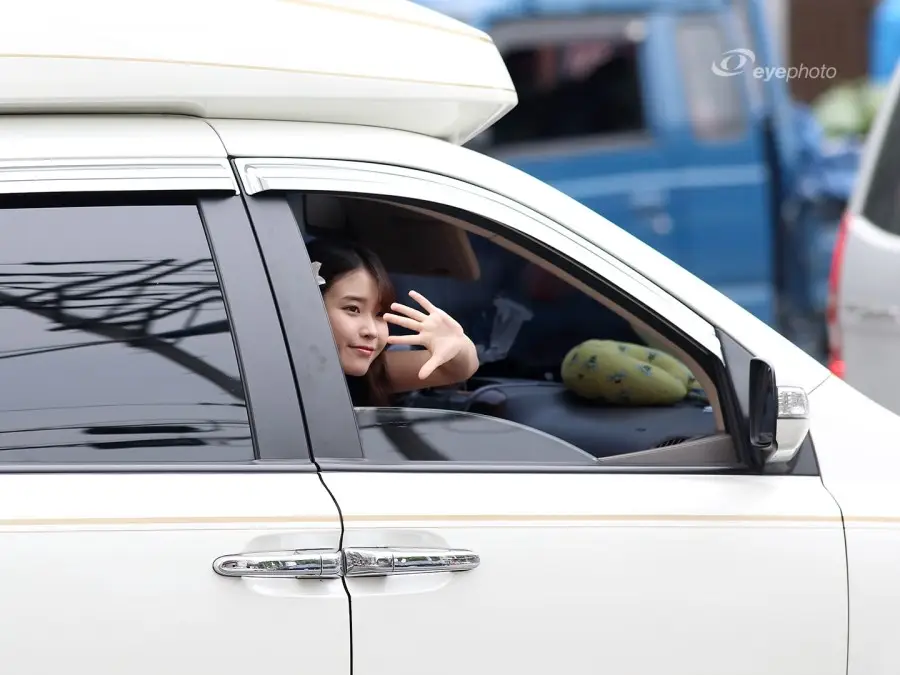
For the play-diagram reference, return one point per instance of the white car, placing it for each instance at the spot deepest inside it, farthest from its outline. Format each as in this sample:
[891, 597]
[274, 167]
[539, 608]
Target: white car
[864, 289]
[185, 486]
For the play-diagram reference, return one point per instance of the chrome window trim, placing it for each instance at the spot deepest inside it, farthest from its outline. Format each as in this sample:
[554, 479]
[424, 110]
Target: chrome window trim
[265, 174]
[32, 176]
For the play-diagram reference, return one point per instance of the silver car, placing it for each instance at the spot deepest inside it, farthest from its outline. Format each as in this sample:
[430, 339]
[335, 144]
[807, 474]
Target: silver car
[864, 297]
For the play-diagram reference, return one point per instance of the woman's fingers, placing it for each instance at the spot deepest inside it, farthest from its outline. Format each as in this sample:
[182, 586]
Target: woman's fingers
[403, 321]
[434, 312]
[404, 339]
[430, 366]
[422, 300]
[408, 311]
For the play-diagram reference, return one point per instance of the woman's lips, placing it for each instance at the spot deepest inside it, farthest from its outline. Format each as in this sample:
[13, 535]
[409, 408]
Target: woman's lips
[367, 351]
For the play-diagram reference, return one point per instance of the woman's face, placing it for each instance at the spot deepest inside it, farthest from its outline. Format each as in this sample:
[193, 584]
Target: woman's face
[355, 313]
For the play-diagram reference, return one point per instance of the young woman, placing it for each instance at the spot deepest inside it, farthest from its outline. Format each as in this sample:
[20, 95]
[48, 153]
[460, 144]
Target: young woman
[357, 292]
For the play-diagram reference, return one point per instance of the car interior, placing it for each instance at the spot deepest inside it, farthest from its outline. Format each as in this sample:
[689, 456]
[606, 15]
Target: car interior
[524, 314]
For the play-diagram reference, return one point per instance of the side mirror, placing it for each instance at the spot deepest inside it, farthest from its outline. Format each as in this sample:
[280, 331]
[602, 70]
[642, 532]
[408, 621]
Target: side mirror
[779, 416]
[763, 405]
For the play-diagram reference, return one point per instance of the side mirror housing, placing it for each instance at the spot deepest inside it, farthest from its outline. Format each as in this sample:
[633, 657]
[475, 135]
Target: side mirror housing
[763, 405]
[779, 416]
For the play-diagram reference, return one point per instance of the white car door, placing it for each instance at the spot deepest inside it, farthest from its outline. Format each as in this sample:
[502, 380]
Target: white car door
[488, 562]
[137, 448]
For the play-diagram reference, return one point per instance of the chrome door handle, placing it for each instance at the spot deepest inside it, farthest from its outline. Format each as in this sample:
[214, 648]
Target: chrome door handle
[351, 562]
[302, 564]
[379, 562]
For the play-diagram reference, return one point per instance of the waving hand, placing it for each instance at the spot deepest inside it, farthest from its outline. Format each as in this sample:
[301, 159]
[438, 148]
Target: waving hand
[434, 329]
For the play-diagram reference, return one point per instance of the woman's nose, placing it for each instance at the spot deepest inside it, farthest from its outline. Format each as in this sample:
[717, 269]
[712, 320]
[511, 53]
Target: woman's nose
[368, 328]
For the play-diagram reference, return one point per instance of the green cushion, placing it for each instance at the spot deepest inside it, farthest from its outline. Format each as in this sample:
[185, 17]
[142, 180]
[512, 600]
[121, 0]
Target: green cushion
[621, 373]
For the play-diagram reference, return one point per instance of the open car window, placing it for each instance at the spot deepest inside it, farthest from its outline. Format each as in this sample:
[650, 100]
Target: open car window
[522, 319]
[564, 379]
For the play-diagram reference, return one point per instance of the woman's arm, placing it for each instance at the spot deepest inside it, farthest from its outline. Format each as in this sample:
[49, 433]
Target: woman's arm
[449, 355]
[404, 368]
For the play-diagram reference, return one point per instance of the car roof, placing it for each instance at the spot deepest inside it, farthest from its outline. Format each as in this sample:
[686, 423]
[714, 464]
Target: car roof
[391, 63]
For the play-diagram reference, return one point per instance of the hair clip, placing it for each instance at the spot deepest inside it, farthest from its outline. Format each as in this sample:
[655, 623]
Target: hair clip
[316, 266]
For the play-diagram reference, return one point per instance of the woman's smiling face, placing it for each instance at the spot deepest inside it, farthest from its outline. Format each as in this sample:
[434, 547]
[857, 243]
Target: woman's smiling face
[354, 309]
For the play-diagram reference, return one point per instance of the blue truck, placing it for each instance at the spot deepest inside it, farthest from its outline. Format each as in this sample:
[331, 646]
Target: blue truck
[673, 119]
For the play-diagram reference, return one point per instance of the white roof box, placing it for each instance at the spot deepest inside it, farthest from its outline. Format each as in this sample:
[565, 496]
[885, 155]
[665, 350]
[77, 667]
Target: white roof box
[385, 63]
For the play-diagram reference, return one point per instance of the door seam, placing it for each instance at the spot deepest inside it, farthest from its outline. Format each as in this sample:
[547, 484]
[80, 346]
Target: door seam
[341, 551]
[846, 570]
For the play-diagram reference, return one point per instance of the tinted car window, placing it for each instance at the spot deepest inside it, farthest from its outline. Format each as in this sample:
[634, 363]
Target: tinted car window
[883, 198]
[115, 345]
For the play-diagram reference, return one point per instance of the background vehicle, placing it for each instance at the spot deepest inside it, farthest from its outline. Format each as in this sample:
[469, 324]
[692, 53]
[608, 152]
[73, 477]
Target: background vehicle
[883, 44]
[864, 316]
[621, 110]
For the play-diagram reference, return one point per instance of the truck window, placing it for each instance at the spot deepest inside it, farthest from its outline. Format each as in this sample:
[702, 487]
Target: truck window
[715, 102]
[572, 83]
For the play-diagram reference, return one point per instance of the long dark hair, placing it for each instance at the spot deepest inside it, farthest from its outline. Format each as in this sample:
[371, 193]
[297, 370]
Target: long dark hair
[338, 259]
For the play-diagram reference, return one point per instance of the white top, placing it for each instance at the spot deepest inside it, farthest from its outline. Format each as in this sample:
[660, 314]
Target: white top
[389, 63]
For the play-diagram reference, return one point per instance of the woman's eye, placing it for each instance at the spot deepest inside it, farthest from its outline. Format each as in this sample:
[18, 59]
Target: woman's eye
[352, 308]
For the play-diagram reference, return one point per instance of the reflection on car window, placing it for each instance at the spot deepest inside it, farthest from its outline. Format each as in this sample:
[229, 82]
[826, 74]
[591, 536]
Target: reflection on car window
[115, 344]
[392, 435]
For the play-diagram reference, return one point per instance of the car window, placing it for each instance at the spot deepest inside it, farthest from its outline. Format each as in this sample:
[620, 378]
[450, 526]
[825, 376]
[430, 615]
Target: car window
[522, 319]
[546, 350]
[571, 84]
[882, 201]
[563, 379]
[115, 345]
[715, 101]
